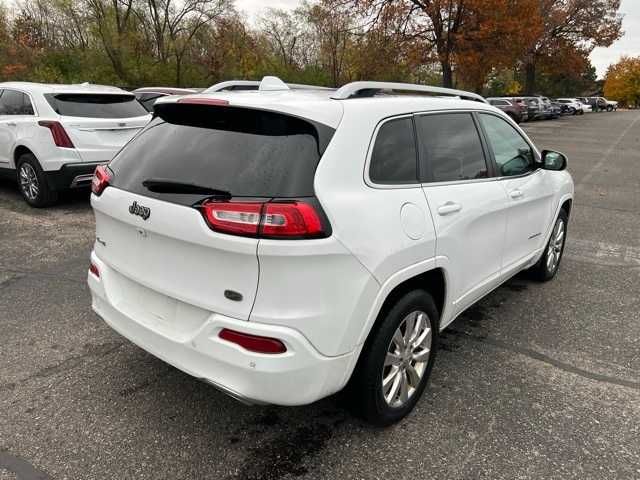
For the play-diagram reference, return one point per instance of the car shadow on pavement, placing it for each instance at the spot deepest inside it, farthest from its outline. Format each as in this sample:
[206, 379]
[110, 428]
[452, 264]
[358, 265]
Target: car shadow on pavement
[69, 200]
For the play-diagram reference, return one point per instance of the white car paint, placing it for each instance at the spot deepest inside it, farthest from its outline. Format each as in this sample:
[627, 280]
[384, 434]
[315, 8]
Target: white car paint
[95, 140]
[160, 280]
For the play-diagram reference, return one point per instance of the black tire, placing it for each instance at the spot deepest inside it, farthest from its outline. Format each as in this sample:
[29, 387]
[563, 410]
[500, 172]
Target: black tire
[365, 390]
[29, 173]
[546, 269]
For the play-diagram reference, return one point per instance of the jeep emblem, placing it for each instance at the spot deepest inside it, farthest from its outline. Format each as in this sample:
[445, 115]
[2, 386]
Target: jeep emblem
[135, 209]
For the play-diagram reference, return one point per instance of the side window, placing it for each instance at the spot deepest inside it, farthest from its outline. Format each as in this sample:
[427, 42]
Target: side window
[513, 154]
[450, 148]
[15, 103]
[394, 159]
[27, 107]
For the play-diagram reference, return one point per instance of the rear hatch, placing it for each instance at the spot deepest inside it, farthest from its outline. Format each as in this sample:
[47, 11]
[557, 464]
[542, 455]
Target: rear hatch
[99, 124]
[150, 221]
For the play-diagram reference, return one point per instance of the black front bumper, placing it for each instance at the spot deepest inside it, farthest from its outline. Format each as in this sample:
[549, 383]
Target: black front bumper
[72, 175]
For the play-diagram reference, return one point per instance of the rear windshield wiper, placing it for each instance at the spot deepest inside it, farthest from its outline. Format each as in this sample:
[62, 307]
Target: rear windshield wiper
[160, 185]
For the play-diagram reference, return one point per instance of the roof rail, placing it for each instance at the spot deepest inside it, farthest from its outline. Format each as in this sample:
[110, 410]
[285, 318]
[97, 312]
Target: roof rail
[255, 85]
[368, 89]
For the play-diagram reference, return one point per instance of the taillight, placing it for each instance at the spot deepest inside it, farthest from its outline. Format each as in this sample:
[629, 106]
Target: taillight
[291, 219]
[295, 219]
[59, 134]
[235, 218]
[100, 180]
[253, 343]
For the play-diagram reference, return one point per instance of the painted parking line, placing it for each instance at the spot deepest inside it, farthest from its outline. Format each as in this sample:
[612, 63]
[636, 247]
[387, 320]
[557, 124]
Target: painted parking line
[603, 253]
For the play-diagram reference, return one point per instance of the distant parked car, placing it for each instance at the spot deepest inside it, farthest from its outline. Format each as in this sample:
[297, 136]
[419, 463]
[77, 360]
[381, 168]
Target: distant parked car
[597, 103]
[573, 105]
[611, 105]
[584, 101]
[541, 110]
[551, 112]
[558, 109]
[514, 107]
[52, 137]
[148, 96]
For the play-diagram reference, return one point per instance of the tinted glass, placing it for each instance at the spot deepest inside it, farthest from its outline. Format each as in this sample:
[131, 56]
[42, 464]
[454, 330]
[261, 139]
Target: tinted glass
[512, 153]
[149, 99]
[394, 158]
[15, 103]
[498, 102]
[248, 153]
[450, 148]
[96, 105]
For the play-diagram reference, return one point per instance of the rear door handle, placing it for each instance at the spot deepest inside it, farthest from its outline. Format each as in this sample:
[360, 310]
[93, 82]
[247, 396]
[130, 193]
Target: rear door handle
[449, 207]
[12, 124]
[515, 194]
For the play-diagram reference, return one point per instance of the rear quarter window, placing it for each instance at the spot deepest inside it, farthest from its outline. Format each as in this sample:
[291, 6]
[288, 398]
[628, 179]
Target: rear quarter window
[248, 153]
[95, 105]
[394, 159]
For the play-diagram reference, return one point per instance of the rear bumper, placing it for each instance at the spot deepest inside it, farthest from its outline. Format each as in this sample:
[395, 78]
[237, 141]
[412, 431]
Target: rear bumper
[71, 175]
[297, 377]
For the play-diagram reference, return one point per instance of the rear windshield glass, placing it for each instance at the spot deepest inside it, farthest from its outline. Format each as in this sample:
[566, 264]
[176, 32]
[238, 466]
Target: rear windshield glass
[247, 153]
[95, 105]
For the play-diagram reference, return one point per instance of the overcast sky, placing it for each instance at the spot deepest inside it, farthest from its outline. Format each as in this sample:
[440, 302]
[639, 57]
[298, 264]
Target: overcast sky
[629, 44]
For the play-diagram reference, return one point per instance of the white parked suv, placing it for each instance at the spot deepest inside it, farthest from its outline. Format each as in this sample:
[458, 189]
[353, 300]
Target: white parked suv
[575, 106]
[285, 245]
[53, 136]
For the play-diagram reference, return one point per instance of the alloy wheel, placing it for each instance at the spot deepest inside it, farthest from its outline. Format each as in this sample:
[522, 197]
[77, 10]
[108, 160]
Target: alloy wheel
[554, 252]
[407, 358]
[29, 181]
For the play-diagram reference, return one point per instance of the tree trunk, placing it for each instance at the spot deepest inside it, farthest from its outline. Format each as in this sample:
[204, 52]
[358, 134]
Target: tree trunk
[447, 74]
[530, 77]
[178, 70]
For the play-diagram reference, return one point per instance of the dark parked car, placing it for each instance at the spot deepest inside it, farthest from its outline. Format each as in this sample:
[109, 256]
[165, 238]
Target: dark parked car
[147, 96]
[538, 109]
[514, 107]
[559, 109]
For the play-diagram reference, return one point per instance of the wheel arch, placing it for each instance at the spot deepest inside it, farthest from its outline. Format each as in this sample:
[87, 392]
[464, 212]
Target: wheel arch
[430, 278]
[20, 150]
[566, 206]
[425, 275]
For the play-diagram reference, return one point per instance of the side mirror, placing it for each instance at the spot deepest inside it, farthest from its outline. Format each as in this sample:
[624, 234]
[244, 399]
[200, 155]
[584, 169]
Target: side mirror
[553, 160]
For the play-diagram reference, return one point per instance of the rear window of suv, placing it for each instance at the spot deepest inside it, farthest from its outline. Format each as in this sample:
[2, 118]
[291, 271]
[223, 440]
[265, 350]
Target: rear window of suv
[245, 152]
[95, 105]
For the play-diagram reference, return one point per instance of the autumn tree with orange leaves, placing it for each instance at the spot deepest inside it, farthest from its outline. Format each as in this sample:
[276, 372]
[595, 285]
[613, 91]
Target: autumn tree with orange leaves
[477, 36]
[568, 28]
[622, 82]
[473, 44]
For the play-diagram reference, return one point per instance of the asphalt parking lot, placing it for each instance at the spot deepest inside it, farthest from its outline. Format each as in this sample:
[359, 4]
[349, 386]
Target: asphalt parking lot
[536, 381]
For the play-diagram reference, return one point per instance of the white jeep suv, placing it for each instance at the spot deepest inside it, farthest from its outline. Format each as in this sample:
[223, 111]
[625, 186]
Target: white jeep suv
[283, 245]
[53, 136]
